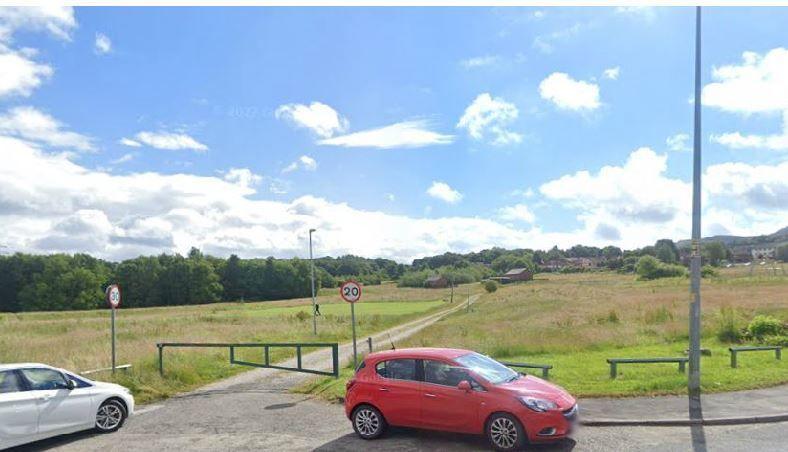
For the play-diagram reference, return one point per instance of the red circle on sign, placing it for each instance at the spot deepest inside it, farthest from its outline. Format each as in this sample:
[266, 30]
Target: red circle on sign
[350, 291]
[113, 295]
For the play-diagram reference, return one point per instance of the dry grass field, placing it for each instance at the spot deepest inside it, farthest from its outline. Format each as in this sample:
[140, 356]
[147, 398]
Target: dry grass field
[576, 321]
[80, 340]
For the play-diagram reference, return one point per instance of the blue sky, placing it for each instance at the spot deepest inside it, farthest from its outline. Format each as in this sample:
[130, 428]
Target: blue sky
[398, 132]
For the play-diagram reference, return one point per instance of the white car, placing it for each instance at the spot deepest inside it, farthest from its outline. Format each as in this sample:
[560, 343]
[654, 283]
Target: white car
[38, 401]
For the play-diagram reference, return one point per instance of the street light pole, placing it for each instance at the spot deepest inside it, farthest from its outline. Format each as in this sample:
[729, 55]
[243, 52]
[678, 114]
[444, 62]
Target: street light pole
[693, 384]
[312, 265]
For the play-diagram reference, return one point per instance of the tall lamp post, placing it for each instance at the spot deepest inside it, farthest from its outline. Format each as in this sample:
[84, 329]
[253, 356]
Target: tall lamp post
[694, 322]
[314, 303]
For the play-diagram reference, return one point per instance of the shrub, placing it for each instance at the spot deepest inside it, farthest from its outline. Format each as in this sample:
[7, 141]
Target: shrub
[302, 315]
[779, 340]
[764, 325]
[659, 315]
[490, 286]
[729, 325]
[708, 272]
[612, 316]
[649, 267]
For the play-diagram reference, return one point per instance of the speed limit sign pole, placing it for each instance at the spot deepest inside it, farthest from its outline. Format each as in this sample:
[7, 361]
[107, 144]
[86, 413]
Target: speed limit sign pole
[350, 291]
[113, 300]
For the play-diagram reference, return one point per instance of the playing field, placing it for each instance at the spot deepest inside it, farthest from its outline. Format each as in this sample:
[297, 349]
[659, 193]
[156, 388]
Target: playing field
[80, 340]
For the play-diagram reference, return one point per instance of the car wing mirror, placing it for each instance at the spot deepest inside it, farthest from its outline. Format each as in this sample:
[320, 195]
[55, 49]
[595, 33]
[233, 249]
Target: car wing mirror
[71, 385]
[464, 386]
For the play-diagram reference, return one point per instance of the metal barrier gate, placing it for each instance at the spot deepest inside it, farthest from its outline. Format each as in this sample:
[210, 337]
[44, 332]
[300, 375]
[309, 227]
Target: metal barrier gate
[266, 354]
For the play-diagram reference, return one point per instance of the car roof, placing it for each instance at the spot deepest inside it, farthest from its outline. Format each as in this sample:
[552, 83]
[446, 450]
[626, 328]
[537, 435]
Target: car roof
[12, 366]
[420, 353]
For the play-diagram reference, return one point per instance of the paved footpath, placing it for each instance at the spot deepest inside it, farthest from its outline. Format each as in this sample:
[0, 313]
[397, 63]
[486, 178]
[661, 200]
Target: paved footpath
[256, 411]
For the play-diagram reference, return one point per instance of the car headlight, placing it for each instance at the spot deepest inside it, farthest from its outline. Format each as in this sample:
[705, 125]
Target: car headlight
[539, 405]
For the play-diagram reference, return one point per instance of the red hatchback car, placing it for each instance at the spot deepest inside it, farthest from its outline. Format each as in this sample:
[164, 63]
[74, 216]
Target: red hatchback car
[458, 391]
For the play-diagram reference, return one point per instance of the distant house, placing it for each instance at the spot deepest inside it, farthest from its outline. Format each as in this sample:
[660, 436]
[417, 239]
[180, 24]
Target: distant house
[518, 274]
[741, 254]
[436, 282]
[554, 265]
[581, 262]
[763, 253]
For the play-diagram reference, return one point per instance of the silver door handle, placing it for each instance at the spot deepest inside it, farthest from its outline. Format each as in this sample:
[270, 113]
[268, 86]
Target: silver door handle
[384, 389]
[432, 396]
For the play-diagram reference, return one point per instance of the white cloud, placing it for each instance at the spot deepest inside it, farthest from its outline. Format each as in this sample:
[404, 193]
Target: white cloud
[34, 125]
[304, 162]
[487, 118]
[644, 12]
[129, 142]
[517, 212]
[20, 75]
[757, 85]
[165, 140]
[318, 117]
[774, 142]
[407, 134]
[102, 44]
[68, 207]
[57, 20]
[678, 142]
[480, 61]
[390, 197]
[527, 193]
[442, 191]
[570, 94]
[612, 73]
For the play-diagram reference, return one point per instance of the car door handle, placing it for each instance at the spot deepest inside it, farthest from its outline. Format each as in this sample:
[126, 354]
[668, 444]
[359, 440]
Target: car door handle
[384, 389]
[45, 398]
[432, 396]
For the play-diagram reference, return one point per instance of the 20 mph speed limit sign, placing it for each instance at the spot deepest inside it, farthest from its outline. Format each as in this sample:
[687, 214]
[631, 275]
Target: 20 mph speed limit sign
[350, 291]
[113, 296]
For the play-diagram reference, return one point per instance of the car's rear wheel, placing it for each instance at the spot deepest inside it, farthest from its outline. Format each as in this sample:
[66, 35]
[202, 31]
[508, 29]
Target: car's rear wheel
[505, 432]
[368, 422]
[110, 416]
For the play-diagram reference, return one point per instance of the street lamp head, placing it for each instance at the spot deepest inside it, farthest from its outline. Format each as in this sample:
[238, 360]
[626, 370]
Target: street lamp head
[312, 230]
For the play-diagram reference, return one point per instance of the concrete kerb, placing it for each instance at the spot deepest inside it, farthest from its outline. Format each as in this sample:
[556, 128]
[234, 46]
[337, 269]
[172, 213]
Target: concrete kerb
[684, 422]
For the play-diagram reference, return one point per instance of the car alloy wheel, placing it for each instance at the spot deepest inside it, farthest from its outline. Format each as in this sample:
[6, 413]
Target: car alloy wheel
[368, 422]
[110, 416]
[505, 433]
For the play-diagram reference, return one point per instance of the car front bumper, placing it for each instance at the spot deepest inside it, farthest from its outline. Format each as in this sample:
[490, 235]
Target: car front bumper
[549, 426]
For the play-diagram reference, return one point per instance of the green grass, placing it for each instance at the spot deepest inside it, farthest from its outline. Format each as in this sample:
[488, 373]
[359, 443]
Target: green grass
[80, 340]
[576, 321]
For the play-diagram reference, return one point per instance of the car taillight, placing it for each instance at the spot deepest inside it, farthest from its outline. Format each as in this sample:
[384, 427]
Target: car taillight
[350, 384]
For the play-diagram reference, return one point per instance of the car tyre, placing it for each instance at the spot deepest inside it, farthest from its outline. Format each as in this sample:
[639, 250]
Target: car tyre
[110, 416]
[505, 432]
[368, 422]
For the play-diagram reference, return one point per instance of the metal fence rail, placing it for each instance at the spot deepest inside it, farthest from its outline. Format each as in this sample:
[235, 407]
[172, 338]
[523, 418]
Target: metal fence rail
[545, 367]
[266, 354]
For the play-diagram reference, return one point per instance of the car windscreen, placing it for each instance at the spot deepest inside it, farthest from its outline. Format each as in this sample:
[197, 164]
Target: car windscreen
[488, 368]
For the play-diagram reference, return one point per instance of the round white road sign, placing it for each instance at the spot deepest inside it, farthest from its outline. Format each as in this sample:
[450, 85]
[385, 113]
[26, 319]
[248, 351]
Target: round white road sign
[350, 291]
[113, 296]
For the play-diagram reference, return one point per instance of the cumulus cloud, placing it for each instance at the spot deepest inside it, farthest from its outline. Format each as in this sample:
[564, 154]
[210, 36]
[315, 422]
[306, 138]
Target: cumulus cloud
[678, 142]
[102, 45]
[304, 162]
[737, 140]
[19, 74]
[34, 125]
[612, 73]
[165, 140]
[487, 118]
[407, 134]
[124, 158]
[318, 117]
[546, 43]
[57, 20]
[442, 191]
[570, 94]
[757, 85]
[751, 186]
[517, 212]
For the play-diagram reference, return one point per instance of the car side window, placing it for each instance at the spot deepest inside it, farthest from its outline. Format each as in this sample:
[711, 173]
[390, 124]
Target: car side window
[445, 374]
[80, 382]
[44, 379]
[10, 382]
[397, 369]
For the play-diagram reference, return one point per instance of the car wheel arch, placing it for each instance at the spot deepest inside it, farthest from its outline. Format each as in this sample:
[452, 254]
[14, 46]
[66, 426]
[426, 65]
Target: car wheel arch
[494, 413]
[119, 400]
[361, 404]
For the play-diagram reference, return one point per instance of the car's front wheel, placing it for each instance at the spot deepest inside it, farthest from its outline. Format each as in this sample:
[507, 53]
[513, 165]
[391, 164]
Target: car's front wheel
[368, 422]
[110, 416]
[505, 432]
